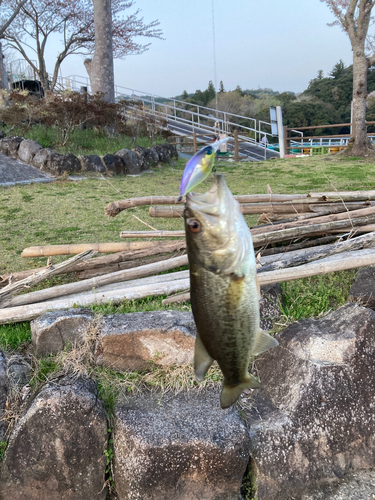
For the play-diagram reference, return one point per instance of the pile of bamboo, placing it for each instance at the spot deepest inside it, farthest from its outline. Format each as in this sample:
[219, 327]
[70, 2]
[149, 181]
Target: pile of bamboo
[296, 236]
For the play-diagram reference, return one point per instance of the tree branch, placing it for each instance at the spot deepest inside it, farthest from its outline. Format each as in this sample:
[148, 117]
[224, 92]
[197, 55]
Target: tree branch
[5, 26]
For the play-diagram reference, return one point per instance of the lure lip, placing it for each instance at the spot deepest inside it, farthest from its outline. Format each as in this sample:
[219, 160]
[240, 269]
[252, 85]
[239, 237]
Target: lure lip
[190, 169]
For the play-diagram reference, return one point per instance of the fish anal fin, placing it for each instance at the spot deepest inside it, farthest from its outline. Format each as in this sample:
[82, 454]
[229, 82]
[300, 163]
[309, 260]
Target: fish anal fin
[202, 360]
[263, 343]
[230, 394]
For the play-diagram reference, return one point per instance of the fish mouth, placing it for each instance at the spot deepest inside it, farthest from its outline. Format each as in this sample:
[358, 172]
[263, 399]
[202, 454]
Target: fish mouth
[209, 202]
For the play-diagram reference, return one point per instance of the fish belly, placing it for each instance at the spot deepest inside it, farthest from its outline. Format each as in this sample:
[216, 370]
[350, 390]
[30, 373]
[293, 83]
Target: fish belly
[226, 313]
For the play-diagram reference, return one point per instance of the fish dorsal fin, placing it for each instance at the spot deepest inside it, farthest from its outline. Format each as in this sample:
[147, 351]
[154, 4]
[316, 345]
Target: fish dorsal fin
[263, 343]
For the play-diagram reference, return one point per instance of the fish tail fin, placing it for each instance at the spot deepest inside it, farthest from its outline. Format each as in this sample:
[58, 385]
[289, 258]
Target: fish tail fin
[230, 394]
[202, 360]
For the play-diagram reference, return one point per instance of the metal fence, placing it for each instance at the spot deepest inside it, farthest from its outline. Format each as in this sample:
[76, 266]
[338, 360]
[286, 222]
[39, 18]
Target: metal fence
[183, 117]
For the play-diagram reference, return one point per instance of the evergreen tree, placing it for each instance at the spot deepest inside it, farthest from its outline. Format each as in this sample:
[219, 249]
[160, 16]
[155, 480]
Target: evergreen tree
[221, 87]
[210, 92]
[239, 90]
[338, 69]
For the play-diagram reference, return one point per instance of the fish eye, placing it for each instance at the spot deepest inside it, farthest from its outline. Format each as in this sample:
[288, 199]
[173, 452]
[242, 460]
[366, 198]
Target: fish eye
[209, 151]
[194, 225]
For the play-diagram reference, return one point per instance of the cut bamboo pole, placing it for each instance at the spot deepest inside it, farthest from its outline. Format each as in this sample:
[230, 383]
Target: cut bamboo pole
[179, 297]
[335, 208]
[342, 262]
[298, 246]
[78, 248]
[270, 218]
[166, 212]
[367, 228]
[31, 311]
[365, 241]
[28, 282]
[115, 207]
[152, 234]
[287, 208]
[150, 280]
[364, 212]
[164, 247]
[344, 195]
[81, 286]
[99, 271]
[287, 234]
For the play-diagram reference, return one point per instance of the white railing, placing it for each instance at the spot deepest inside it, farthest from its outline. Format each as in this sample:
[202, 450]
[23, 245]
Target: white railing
[184, 117]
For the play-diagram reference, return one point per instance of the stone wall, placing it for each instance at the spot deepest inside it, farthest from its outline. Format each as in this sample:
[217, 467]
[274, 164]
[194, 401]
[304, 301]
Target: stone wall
[125, 161]
[308, 434]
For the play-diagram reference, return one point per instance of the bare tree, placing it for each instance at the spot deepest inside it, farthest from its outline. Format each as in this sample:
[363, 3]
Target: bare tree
[3, 27]
[74, 20]
[100, 68]
[354, 17]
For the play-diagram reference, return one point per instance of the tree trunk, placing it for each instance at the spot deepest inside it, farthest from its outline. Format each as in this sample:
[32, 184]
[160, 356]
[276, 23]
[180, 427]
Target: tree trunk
[3, 74]
[43, 75]
[358, 144]
[100, 68]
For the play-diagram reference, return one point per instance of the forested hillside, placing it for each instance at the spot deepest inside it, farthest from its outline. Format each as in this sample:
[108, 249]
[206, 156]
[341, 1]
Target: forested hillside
[327, 100]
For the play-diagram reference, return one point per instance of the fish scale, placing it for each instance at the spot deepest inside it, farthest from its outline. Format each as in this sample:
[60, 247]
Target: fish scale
[224, 289]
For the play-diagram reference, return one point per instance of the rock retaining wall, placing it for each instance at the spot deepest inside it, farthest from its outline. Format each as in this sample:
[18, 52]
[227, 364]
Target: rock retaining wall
[125, 161]
[309, 432]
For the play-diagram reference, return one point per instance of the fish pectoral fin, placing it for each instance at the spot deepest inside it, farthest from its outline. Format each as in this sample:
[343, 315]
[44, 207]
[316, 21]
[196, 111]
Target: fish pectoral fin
[263, 343]
[202, 360]
[230, 394]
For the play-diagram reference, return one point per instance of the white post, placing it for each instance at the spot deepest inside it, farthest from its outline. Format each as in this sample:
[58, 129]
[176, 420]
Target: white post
[280, 130]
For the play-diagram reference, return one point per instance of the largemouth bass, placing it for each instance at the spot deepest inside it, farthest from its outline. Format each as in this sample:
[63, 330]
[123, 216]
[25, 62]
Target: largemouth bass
[224, 289]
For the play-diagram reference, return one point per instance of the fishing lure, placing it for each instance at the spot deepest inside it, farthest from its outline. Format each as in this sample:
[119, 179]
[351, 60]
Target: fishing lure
[199, 167]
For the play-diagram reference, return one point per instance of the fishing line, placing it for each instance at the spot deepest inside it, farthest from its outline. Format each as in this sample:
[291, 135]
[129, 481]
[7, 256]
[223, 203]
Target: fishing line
[214, 47]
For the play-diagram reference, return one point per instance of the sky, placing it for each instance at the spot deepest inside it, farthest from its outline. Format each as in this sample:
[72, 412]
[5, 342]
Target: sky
[264, 43]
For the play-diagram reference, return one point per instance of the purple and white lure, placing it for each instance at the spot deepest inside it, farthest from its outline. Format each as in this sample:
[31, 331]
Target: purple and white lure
[199, 167]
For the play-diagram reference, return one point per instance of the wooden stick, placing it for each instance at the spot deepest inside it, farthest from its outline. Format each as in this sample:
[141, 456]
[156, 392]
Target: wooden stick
[341, 207]
[179, 297]
[164, 247]
[145, 223]
[298, 246]
[114, 208]
[98, 247]
[246, 209]
[152, 234]
[269, 218]
[347, 260]
[28, 282]
[91, 273]
[344, 195]
[167, 212]
[150, 280]
[365, 241]
[81, 286]
[286, 234]
[31, 311]
[318, 220]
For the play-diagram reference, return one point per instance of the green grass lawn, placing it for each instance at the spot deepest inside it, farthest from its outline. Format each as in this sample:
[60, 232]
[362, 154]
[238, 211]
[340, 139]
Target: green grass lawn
[73, 212]
[83, 142]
